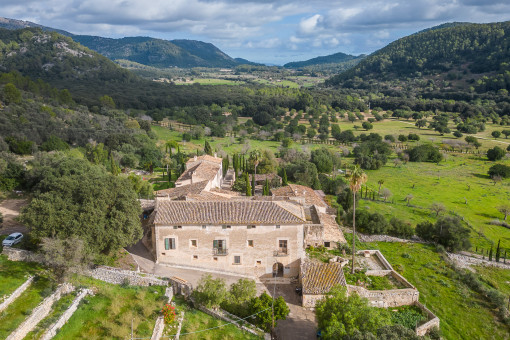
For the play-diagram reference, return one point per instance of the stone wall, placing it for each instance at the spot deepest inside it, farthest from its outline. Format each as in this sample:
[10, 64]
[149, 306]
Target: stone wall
[159, 326]
[310, 300]
[119, 276]
[40, 312]
[8, 300]
[433, 321]
[14, 254]
[464, 261]
[53, 329]
[387, 298]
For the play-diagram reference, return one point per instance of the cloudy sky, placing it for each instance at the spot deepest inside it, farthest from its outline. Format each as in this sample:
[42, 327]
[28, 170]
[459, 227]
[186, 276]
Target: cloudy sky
[269, 31]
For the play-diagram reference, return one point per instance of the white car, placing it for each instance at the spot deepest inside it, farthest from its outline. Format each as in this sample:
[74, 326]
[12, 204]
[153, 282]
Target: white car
[12, 239]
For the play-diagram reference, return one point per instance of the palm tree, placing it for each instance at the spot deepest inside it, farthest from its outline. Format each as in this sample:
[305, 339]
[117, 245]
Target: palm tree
[169, 145]
[356, 180]
[380, 182]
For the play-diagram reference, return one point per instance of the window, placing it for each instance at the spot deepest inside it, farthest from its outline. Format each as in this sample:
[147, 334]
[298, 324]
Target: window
[204, 227]
[225, 227]
[193, 243]
[195, 257]
[237, 259]
[327, 244]
[259, 262]
[220, 247]
[251, 227]
[282, 246]
[169, 243]
[250, 243]
[177, 226]
[277, 227]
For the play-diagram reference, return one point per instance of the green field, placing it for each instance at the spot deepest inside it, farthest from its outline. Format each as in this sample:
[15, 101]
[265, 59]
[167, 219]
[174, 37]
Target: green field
[211, 81]
[464, 314]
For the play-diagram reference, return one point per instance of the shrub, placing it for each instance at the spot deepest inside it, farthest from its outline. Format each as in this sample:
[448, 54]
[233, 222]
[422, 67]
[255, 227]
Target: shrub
[447, 231]
[168, 313]
[424, 153]
[499, 170]
[413, 136]
[400, 228]
[495, 154]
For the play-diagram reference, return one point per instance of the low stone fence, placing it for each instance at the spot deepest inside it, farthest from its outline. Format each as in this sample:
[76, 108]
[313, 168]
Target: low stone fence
[53, 329]
[8, 300]
[226, 316]
[464, 261]
[120, 276]
[40, 312]
[159, 326]
[180, 286]
[386, 265]
[179, 326]
[433, 321]
[14, 254]
[385, 238]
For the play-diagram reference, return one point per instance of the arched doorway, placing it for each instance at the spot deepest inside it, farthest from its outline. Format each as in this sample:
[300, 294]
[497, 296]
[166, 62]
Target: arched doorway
[277, 269]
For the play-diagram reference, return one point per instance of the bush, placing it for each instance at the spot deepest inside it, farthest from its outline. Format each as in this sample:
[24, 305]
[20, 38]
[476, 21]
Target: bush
[424, 153]
[499, 170]
[495, 154]
[447, 231]
[400, 228]
[413, 136]
[458, 134]
[368, 223]
[168, 313]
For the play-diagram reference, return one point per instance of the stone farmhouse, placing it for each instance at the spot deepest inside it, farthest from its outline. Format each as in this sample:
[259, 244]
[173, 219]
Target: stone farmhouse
[201, 226]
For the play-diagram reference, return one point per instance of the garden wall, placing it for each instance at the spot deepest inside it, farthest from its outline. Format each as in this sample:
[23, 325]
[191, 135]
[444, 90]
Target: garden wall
[40, 312]
[5, 303]
[433, 321]
[387, 298]
[52, 331]
[120, 276]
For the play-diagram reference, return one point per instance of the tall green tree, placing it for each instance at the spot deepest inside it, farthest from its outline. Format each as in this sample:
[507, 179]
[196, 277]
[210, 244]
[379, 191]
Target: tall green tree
[284, 178]
[75, 198]
[269, 311]
[356, 179]
[208, 149]
[340, 315]
[248, 186]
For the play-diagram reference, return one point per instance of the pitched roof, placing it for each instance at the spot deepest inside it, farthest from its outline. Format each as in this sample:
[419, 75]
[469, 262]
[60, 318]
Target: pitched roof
[319, 278]
[182, 192]
[332, 231]
[170, 212]
[296, 190]
[207, 158]
[204, 170]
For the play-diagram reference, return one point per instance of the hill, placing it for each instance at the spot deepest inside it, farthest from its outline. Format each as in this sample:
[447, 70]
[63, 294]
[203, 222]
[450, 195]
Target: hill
[159, 53]
[144, 50]
[329, 59]
[463, 57]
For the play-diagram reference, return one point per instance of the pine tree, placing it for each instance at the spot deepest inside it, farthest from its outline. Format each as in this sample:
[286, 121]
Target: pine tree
[498, 251]
[248, 186]
[284, 178]
[207, 149]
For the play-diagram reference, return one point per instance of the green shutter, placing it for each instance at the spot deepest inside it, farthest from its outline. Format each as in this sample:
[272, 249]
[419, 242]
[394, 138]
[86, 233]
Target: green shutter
[215, 244]
[167, 243]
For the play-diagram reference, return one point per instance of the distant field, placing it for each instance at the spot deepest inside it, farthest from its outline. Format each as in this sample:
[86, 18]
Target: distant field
[210, 81]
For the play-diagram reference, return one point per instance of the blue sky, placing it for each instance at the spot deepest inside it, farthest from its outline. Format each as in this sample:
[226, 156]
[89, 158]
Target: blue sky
[268, 31]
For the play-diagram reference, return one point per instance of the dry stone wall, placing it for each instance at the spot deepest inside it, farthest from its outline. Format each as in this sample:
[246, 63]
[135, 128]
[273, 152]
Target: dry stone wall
[433, 321]
[40, 312]
[387, 298]
[52, 331]
[8, 300]
[119, 276]
[159, 326]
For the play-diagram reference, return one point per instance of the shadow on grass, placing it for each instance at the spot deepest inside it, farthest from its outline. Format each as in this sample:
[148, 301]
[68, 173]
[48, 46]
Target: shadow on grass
[481, 176]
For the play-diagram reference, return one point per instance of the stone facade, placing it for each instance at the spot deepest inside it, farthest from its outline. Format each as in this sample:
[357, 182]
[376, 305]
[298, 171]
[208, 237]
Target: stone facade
[246, 250]
[40, 312]
[8, 300]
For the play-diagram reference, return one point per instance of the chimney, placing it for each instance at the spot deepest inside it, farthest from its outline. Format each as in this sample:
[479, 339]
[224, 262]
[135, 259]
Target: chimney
[215, 155]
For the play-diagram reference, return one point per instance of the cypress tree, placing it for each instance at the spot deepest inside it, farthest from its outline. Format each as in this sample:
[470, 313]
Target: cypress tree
[490, 254]
[497, 251]
[208, 148]
[284, 178]
[248, 186]
[266, 188]
[253, 185]
[169, 175]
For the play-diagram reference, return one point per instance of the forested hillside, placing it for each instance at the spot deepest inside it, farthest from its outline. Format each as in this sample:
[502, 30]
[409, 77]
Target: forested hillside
[466, 57]
[329, 59]
[158, 52]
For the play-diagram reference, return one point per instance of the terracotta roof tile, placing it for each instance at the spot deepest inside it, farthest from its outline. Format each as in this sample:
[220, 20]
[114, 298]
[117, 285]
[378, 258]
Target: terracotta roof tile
[181, 192]
[296, 190]
[207, 158]
[170, 212]
[332, 231]
[319, 278]
[204, 171]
